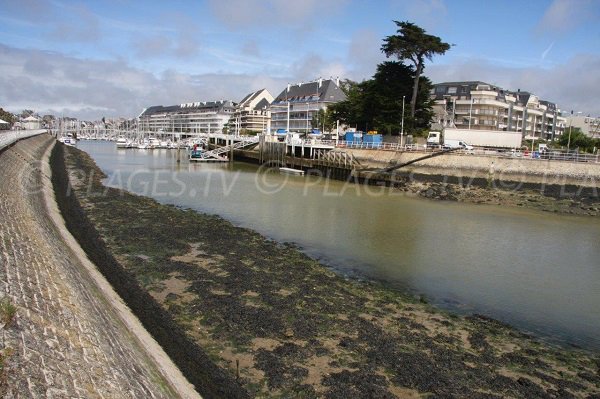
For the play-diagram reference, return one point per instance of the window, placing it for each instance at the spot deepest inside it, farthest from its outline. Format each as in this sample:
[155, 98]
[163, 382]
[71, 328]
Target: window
[451, 90]
[440, 89]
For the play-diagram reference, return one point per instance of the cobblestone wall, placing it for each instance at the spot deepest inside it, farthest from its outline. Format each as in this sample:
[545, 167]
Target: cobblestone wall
[65, 341]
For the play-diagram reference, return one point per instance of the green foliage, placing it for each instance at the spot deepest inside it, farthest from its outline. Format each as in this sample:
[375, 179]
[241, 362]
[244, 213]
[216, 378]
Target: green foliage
[376, 104]
[7, 117]
[413, 44]
[26, 113]
[574, 138]
[324, 120]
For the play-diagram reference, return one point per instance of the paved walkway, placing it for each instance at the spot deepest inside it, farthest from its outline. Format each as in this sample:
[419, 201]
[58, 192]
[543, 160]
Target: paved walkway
[67, 340]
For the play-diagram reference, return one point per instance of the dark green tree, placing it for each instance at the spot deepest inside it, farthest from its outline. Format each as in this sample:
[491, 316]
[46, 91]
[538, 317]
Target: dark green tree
[7, 117]
[413, 44]
[376, 104]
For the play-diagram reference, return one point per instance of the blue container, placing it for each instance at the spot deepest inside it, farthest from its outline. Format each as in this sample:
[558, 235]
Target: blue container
[373, 138]
[354, 137]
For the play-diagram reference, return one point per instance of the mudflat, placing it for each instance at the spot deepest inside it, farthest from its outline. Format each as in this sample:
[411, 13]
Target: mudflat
[281, 324]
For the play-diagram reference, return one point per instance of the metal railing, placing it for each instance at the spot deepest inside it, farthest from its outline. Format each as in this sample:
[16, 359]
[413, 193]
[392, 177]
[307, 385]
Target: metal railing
[9, 137]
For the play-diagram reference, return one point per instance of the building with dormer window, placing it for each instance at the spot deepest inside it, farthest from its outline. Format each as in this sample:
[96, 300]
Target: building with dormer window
[295, 107]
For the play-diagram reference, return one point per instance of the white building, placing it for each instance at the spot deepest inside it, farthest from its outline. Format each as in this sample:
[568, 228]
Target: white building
[590, 126]
[482, 106]
[252, 114]
[294, 108]
[197, 117]
[31, 123]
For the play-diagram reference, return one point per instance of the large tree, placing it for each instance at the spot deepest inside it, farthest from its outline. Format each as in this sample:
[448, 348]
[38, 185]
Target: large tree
[413, 44]
[376, 104]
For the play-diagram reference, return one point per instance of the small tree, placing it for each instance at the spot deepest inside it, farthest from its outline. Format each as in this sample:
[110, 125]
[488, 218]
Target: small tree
[412, 43]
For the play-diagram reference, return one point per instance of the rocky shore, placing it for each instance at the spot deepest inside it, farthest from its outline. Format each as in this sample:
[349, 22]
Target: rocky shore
[275, 323]
[527, 198]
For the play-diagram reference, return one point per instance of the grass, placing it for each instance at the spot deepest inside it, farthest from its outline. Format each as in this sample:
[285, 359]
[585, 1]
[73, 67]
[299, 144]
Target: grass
[8, 311]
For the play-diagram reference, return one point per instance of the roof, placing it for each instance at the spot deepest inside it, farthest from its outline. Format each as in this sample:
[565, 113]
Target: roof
[30, 118]
[159, 109]
[263, 97]
[320, 90]
[3, 122]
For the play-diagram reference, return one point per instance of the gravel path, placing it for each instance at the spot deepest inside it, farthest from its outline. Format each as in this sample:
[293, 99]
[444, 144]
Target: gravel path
[67, 339]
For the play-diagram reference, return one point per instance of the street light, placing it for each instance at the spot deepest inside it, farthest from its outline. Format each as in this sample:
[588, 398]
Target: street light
[402, 125]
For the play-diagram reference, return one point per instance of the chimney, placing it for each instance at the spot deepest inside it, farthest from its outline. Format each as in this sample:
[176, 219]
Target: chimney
[337, 81]
[288, 87]
[320, 82]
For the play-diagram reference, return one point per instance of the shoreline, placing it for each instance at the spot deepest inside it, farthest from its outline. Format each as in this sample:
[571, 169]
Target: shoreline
[311, 330]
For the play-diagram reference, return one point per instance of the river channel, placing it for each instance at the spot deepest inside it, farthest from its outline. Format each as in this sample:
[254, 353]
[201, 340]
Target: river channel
[537, 271]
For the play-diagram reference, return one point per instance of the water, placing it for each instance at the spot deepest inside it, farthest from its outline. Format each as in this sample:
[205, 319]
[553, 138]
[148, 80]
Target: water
[534, 270]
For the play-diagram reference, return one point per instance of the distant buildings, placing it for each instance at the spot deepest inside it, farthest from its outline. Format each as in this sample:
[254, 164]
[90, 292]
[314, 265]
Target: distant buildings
[31, 123]
[197, 117]
[294, 108]
[252, 114]
[482, 106]
[590, 126]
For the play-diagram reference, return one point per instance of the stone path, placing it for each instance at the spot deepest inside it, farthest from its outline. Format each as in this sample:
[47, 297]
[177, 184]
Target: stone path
[66, 340]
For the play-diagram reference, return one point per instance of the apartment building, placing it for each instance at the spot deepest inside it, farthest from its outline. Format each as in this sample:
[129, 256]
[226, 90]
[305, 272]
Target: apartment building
[589, 125]
[252, 114]
[295, 107]
[483, 106]
[197, 117]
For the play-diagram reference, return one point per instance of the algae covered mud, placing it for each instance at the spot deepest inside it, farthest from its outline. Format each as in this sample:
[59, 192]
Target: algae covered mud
[534, 270]
[279, 324]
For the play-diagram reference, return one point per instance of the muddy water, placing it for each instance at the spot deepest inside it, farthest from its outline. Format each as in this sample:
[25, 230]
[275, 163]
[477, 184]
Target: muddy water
[537, 271]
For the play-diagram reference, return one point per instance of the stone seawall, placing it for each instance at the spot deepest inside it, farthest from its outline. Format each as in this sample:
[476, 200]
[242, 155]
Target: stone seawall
[516, 169]
[66, 339]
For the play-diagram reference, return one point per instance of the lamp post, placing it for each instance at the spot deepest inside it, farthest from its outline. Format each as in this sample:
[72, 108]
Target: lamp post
[402, 123]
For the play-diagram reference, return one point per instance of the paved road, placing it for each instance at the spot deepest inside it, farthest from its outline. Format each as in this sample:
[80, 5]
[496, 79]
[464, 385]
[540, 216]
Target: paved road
[67, 340]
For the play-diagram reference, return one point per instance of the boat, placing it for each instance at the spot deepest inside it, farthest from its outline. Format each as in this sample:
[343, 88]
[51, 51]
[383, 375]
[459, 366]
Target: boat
[291, 171]
[123, 142]
[153, 142]
[144, 144]
[68, 140]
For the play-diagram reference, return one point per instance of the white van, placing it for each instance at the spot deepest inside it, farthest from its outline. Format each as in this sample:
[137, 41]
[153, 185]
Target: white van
[450, 144]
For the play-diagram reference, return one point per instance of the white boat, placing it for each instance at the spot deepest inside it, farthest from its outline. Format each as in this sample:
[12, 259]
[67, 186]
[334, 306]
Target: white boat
[291, 171]
[123, 142]
[68, 140]
[144, 144]
[153, 142]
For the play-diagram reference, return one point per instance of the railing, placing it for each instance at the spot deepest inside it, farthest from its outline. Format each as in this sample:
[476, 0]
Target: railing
[10, 137]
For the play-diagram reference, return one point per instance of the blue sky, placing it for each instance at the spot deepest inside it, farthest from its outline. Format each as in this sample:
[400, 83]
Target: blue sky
[113, 58]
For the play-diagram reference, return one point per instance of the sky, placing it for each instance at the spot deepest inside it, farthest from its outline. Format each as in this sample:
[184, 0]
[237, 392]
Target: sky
[112, 58]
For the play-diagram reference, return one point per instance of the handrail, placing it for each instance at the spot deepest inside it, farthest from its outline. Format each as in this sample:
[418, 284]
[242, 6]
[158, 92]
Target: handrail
[9, 137]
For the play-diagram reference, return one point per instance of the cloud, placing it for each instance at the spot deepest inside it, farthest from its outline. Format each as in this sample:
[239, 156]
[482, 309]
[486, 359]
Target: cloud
[242, 14]
[565, 15]
[250, 48]
[82, 26]
[575, 84]
[180, 41]
[364, 54]
[428, 14]
[50, 82]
